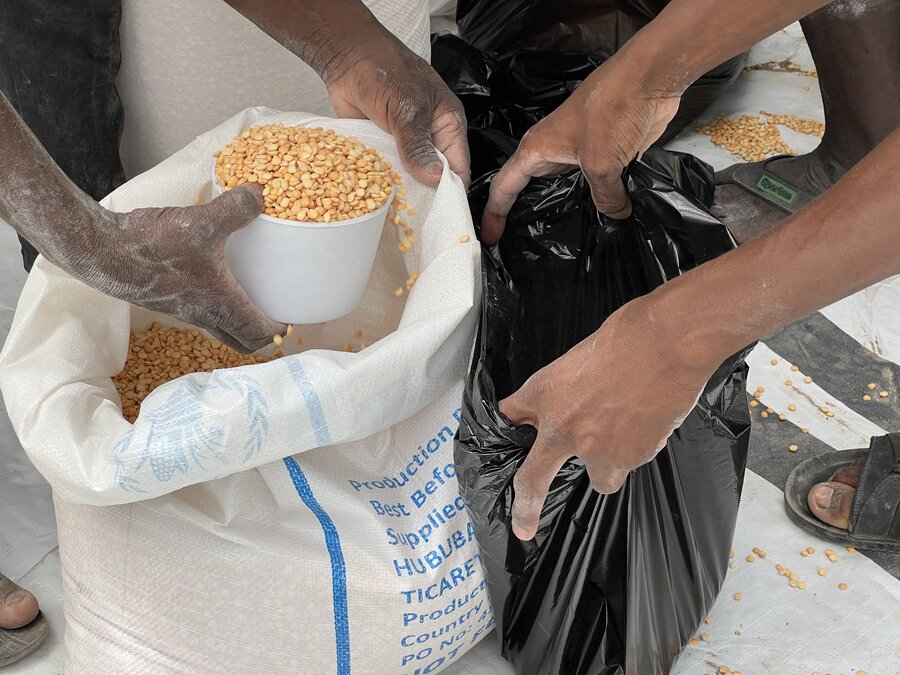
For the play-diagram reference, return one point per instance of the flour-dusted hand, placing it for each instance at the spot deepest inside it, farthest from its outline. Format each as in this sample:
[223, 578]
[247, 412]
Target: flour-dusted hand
[169, 260]
[175, 264]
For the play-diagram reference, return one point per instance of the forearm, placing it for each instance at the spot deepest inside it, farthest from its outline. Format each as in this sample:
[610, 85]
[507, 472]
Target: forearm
[34, 192]
[320, 32]
[846, 240]
[690, 37]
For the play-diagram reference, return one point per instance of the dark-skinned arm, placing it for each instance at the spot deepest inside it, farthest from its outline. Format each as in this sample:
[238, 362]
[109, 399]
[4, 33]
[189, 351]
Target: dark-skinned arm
[370, 74]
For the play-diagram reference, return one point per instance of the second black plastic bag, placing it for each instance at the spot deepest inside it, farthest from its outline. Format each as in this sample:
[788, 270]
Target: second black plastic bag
[590, 29]
[611, 583]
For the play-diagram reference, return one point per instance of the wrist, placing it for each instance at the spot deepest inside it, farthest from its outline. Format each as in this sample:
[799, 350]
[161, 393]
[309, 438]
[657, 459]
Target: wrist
[696, 342]
[88, 243]
[381, 49]
[659, 70]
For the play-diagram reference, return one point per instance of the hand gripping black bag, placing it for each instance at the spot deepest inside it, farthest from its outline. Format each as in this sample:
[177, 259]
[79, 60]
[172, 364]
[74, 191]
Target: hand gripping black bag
[611, 583]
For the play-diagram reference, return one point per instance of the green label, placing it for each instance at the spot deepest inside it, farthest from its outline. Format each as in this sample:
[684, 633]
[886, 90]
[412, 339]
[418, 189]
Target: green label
[775, 188]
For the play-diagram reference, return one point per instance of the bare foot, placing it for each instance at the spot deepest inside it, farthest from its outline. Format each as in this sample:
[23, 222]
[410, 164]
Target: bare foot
[18, 607]
[748, 216]
[831, 501]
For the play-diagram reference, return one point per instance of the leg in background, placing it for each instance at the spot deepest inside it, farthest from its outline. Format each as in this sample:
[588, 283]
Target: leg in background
[856, 49]
[58, 65]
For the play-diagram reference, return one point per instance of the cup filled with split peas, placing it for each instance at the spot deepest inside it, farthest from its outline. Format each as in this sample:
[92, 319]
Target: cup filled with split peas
[308, 257]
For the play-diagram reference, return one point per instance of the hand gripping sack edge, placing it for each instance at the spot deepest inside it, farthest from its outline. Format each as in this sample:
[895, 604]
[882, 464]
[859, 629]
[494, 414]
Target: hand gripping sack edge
[188, 543]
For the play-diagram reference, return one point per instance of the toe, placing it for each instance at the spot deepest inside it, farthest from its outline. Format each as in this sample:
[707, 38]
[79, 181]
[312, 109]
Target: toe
[18, 607]
[830, 502]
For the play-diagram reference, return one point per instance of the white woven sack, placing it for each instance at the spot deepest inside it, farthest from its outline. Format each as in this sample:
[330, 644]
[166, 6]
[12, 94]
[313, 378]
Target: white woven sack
[299, 516]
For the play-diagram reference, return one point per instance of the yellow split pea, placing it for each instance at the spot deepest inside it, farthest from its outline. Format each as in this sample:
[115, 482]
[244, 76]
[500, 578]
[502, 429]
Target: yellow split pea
[746, 136]
[307, 174]
[158, 355]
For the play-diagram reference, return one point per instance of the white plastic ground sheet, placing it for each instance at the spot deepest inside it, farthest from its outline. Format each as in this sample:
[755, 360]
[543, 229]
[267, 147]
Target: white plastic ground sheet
[773, 628]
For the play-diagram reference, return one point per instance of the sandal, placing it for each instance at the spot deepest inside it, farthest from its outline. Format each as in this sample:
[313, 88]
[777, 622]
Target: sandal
[17, 643]
[875, 513]
[761, 182]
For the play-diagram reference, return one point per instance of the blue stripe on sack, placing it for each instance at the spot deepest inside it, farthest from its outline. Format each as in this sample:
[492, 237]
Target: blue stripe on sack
[338, 569]
[313, 404]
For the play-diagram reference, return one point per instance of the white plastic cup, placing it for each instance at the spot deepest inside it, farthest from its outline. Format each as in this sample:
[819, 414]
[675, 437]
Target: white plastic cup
[302, 273]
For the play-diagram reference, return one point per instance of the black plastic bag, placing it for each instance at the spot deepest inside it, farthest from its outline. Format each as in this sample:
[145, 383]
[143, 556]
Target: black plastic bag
[595, 28]
[615, 583]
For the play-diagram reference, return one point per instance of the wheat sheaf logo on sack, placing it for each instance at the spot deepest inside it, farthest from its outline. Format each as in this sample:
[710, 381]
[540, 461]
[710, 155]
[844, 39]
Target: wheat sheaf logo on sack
[180, 440]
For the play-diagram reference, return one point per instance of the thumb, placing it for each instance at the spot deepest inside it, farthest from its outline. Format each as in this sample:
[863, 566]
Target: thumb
[524, 406]
[234, 209]
[531, 485]
[417, 149]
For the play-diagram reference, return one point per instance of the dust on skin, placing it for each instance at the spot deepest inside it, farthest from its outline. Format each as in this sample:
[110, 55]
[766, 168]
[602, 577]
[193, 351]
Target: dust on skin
[852, 9]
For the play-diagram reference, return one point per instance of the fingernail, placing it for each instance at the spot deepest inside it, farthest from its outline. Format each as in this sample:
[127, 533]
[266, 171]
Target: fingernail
[16, 597]
[822, 496]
